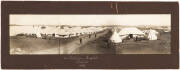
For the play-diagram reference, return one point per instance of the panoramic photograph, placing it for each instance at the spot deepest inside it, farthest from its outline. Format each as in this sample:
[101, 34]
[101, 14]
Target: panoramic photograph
[37, 34]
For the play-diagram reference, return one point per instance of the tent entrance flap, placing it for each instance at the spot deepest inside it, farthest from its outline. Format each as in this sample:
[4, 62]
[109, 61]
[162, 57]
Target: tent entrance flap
[131, 35]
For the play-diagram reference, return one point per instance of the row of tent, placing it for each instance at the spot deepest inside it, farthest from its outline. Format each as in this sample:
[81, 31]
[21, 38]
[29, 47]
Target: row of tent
[117, 37]
[57, 31]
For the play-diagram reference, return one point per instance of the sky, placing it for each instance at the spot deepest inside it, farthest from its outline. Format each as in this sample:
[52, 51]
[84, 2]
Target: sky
[92, 20]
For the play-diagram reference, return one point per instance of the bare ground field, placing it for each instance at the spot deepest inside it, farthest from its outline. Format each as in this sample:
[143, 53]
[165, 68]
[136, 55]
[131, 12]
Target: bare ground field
[100, 46]
[93, 45]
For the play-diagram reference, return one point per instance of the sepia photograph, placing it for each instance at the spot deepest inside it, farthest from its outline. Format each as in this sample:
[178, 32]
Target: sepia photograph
[34, 34]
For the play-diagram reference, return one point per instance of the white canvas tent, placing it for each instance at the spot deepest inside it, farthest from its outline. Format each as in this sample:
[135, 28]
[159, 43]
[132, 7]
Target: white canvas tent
[133, 30]
[37, 31]
[115, 37]
[152, 35]
[145, 31]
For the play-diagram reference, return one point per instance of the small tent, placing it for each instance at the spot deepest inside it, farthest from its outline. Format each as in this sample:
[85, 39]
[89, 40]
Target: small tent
[115, 37]
[152, 35]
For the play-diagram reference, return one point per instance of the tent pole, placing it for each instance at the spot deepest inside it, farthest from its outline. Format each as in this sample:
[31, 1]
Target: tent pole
[59, 47]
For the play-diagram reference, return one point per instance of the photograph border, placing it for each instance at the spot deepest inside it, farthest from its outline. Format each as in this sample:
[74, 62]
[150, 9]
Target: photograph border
[90, 61]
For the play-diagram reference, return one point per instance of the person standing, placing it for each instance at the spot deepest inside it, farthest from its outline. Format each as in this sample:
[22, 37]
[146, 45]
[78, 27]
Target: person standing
[80, 40]
[95, 35]
[89, 35]
[53, 35]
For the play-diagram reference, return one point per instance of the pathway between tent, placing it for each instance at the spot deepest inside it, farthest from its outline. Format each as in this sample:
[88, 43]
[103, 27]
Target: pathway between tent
[72, 46]
[99, 45]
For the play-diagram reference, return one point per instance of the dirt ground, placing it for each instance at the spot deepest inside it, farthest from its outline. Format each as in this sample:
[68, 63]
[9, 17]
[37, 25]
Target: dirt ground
[24, 45]
[99, 46]
[93, 45]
